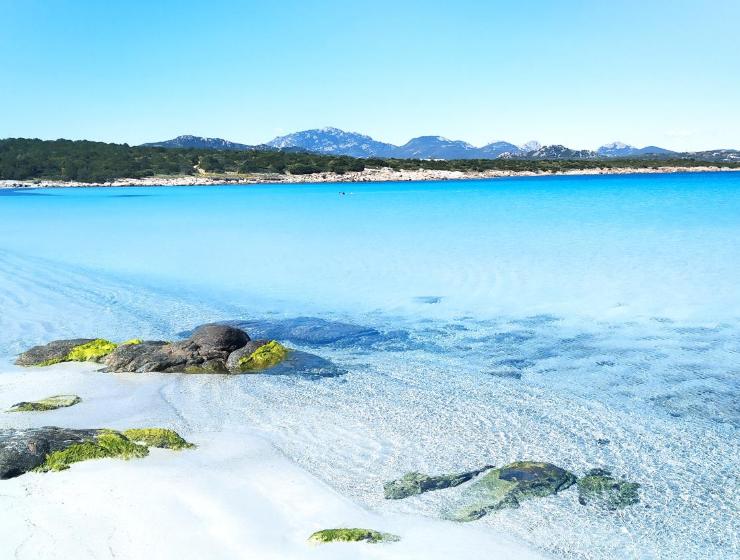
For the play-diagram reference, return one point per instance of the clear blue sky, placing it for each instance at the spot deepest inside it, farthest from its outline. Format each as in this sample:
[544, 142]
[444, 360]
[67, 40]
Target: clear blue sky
[577, 72]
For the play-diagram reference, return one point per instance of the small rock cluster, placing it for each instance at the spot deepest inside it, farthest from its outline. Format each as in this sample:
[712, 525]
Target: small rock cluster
[209, 349]
[508, 486]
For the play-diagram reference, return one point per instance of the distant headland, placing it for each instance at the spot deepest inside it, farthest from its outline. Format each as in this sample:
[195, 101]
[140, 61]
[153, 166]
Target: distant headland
[198, 161]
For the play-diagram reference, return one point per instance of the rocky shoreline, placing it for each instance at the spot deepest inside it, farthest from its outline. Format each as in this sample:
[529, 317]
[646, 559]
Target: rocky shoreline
[373, 175]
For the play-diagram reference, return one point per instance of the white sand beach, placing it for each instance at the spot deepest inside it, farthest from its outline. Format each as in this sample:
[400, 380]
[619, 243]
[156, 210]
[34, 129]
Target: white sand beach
[369, 175]
[234, 496]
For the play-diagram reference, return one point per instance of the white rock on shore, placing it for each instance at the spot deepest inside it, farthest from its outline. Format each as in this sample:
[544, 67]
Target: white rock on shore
[384, 174]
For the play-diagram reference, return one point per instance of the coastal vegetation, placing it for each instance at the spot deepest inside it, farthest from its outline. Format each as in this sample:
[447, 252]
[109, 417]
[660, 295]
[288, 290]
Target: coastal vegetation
[92, 162]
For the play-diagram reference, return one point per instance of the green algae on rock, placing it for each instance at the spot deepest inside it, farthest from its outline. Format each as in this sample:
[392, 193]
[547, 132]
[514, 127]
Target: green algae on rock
[352, 535]
[92, 351]
[414, 483]
[132, 341]
[49, 403]
[266, 356]
[51, 353]
[106, 444]
[507, 486]
[211, 348]
[598, 487]
[73, 350]
[54, 449]
[158, 437]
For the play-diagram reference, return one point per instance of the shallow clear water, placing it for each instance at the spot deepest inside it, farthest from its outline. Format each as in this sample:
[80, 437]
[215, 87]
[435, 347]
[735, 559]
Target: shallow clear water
[528, 318]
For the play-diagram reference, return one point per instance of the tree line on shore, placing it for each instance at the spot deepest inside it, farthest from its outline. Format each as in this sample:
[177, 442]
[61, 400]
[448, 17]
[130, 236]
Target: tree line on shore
[86, 161]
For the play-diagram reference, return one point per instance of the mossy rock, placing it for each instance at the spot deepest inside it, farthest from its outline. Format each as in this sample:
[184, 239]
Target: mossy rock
[74, 350]
[352, 535]
[264, 356]
[158, 437]
[414, 483]
[507, 486]
[51, 353]
[106, 444]
[54, 449]
[211, 348]
[598, 487]
[131, 342]
[49, 403]
[92, 351]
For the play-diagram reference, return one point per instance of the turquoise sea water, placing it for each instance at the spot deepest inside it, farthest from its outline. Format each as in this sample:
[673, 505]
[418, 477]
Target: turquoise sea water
[528, 318]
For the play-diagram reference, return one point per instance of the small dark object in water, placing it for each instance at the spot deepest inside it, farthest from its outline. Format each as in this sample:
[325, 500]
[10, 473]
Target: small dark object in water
[428, 299]
[506, 374]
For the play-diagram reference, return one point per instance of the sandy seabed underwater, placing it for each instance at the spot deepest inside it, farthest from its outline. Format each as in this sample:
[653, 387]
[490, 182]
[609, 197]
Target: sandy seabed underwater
[584, 321]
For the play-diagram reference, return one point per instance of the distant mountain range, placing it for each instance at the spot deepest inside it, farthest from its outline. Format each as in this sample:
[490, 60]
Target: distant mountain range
[333, 141]
[200, 143]
[618, 149]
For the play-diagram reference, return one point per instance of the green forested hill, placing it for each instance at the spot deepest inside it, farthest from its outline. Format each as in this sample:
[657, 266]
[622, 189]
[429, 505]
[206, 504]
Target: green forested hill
[82, 160]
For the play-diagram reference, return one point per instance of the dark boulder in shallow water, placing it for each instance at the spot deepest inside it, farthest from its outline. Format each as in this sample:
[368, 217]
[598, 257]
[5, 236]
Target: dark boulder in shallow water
[212, 348]
[598, 487]
[218, 338]
[507, 486]
[205, 351]
[414, 483]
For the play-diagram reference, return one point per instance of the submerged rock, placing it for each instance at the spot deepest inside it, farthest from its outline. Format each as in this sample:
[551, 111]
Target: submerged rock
[414, 483]
[598, 487]
[307, 365]
[352, 535]
[55, 449]
[429, 300]
[507, 486]
[314, 331]
[49, 403]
